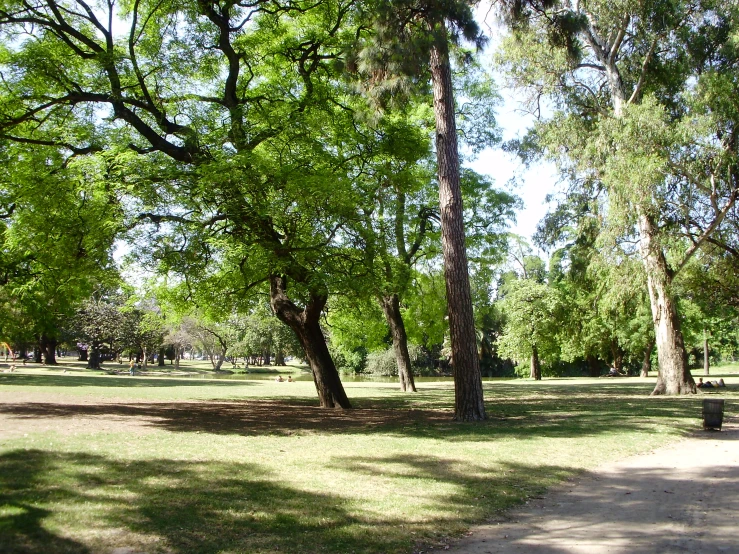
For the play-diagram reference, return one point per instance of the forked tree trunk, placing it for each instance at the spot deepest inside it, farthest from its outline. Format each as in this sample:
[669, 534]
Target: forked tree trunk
[674, 377]
[468, 394]
[306, 326]
[535, 364]
[646, 365]
[391, 307]
[706, 361]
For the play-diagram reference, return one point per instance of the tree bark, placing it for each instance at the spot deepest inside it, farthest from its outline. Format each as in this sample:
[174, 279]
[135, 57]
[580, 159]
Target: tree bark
[160, 358]
[674, 377]
[49, 350]
[279, 357]
[306, 326]
[706, 361]
[391, 307]
[535, 364]
[646, 365]
[267, 357]
[468, 395]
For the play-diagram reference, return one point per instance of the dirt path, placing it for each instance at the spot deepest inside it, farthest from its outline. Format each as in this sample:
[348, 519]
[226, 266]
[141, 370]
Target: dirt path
[681, 498]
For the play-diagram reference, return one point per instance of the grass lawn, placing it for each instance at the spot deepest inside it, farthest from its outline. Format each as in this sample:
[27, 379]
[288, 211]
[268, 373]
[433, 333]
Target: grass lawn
[91, 462]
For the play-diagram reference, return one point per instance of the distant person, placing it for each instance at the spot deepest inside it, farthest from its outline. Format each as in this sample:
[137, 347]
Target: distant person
[700, 384]
[279, 379]
[290, 379]
[132, 366]
[721, 383]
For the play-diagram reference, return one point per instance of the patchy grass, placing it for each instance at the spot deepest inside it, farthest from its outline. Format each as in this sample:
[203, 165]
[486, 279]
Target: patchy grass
[92, 462]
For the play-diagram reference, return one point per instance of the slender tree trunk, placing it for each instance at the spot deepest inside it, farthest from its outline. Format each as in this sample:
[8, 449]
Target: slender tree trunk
[468, 395]
[38, 350]
[535, 364]
[646, 365]
[674, 377]
[177, 354]
[144, 359]
[306, 326]
[391, 306]
[706, 362]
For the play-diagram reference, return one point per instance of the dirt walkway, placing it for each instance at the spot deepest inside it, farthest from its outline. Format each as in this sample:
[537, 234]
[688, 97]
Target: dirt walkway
[682, 498]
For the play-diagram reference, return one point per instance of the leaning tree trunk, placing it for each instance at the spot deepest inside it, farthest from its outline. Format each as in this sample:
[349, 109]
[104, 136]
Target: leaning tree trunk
[674, 377]
[646, 365]
[468, 395]
[391, 306]
[535, 364]
[306, 326]
[706, 361]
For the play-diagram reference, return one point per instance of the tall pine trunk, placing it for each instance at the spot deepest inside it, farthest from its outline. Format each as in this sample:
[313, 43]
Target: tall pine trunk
[391, 308]
[468, 394]
[305, 324]
[674, 377]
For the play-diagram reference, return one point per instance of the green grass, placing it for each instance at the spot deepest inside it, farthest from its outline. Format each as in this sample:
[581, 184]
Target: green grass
[92, 462]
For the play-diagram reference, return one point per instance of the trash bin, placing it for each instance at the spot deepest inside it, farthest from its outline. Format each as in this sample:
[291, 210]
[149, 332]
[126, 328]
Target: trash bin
[713, 413]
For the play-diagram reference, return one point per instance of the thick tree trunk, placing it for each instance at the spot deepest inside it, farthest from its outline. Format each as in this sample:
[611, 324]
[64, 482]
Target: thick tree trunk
[219, 359]
[306, 326]
[535, 364]
[646, 365]
[706, 362]
[160, 358]
[37, 351]
[267, 357]
[49, 350]
[674, 377]
[468, 394]
[279, 357]
[391, 307]
[94, 357]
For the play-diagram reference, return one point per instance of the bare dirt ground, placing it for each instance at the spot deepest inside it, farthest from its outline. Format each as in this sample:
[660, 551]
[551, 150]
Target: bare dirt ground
[681, 498]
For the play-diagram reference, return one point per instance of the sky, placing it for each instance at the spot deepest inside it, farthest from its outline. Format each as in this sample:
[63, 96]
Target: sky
[532, 184]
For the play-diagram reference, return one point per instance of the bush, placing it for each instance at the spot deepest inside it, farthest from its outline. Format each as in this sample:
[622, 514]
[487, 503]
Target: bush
[381, 363]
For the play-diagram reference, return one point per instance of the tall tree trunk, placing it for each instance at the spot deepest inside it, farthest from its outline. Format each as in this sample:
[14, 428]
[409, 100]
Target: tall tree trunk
[646, 365]
[306, 326]
[177, 354]
[160, 358]
[468, 395]
[267, 357]
[49, 350]
[535, 364]
[144, 358]
[674, 377]
[706, 361]
[279, 357]
[391, 306]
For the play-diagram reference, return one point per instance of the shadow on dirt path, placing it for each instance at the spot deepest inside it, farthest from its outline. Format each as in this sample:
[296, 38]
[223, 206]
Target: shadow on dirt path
[681, 498]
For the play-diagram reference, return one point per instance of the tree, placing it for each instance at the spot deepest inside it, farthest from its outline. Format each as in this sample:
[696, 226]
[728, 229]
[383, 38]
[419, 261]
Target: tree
[213, 114]
[531, 323]
[410, 39]
[647, 128]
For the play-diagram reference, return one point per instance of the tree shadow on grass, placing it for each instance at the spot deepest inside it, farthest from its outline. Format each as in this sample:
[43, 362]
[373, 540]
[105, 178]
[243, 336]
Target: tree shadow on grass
[181, 507]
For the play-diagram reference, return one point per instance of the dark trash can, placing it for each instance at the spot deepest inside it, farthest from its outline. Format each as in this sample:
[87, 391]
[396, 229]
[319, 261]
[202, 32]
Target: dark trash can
[713, 413]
